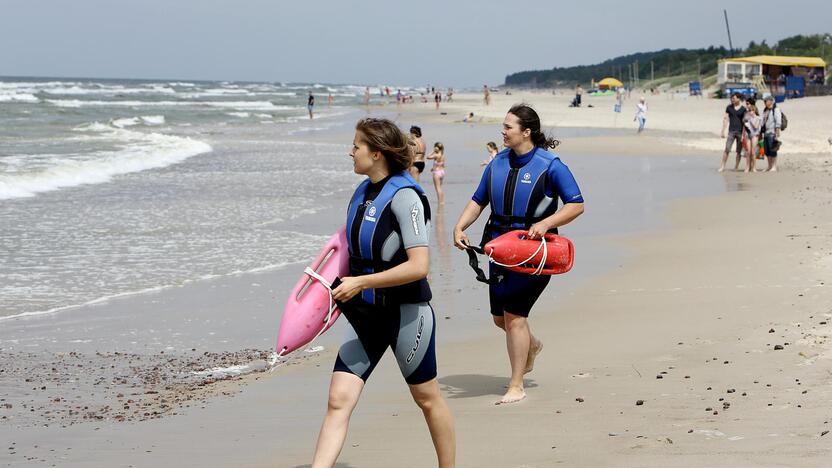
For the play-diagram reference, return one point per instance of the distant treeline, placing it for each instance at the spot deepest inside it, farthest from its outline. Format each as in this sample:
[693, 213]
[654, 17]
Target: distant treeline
[669, 62]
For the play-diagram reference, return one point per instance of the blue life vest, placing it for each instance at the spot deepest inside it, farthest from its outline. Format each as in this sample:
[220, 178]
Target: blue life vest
[518, 195]
[369, 224]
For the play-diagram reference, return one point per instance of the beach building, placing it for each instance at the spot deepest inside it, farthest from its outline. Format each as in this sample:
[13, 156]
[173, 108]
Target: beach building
[783, 76]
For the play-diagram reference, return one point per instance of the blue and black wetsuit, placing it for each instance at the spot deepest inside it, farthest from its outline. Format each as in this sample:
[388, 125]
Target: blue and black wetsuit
[384, 220]
[521, 191]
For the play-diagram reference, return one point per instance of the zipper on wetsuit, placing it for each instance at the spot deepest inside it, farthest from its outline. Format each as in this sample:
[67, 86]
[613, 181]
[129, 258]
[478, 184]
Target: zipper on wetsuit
[508, 195]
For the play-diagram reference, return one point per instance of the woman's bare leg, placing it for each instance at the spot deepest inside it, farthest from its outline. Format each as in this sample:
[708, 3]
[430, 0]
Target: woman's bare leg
[439, 418]
[344, 390]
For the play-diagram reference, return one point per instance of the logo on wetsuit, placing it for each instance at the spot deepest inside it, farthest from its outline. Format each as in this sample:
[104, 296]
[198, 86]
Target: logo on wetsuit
[527, 178]
[371, 213]
[418, 339]
[414, 217]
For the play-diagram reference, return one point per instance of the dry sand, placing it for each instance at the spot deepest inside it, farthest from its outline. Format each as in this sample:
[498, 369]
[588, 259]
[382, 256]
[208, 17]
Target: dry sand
[718, 321]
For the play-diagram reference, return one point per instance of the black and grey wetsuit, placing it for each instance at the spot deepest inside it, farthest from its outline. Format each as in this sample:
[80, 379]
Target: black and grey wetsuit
[384, 220]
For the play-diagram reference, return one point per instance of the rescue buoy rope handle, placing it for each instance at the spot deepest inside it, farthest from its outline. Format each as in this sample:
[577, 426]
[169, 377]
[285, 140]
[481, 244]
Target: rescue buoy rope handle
[276, 356]
[542, 266]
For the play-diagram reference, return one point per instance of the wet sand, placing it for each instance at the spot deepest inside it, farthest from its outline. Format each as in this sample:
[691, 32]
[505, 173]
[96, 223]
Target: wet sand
[671, 303]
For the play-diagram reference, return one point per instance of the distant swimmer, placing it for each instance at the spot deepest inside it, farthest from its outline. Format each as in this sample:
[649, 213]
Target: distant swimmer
[386, 298]
[491, 147]
[418, 153]
[522, 185]
[367, 96]
[438, 170]
[310, 104]
[329, 100]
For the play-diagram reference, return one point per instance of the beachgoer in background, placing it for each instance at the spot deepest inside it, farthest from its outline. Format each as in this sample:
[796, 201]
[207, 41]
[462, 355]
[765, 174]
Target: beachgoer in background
[732, 120]
[418, 153]
[438, 170]
[772, 122]
[367, 96]
[486, 95]
[491, 147]
[450, 95]
[329, 100]
[398, 97]
[532, 208]
[310, 104]
[437, 98]
[469, 117]
[387, 292]
[752, 123]
[641, 114]
[579, 92]
[619, 100]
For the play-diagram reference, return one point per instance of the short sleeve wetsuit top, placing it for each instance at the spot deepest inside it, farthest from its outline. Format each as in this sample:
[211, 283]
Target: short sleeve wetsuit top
[408, 328]
[516, 292]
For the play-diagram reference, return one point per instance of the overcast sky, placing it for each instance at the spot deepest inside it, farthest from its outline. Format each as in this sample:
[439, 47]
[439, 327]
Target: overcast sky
[449, 42]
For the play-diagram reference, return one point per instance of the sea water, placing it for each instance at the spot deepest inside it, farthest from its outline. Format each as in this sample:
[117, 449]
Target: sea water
[114, 187]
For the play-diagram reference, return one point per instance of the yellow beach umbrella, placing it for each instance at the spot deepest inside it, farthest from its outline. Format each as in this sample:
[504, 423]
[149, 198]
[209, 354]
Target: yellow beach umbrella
[610, 83]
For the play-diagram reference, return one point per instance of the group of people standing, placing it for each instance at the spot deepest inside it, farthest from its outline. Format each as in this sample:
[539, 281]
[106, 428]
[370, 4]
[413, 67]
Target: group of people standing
[388, 224]
[753, 131]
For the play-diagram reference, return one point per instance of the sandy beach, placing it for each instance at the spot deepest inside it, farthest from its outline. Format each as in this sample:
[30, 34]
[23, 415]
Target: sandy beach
[695, 330]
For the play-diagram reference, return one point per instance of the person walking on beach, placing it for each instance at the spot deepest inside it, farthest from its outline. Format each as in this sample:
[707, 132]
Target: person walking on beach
[732, 120]
[752, 123]
[438, 170]
[437, 98]
[522, 186]
[772, 123]
[491, 147]
[418, 153]
[641, 114]
[367, 96]
[310, 104]
[579, 92]
[486, 95]
[386, 297]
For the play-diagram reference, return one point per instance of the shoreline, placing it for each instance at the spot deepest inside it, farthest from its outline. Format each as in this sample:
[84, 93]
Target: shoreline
[568, 339]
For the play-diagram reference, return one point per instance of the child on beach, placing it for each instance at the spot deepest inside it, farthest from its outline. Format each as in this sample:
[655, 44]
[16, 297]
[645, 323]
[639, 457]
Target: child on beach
[386, 297]
[641, 114]
[512, 295]
[438, 170]
[491, 147]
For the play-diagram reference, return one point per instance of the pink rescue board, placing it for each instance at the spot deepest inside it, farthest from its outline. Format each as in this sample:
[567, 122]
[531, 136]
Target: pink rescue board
[307, 308]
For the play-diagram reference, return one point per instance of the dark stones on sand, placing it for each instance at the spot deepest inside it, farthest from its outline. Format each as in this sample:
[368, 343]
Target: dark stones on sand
[771, 330]
[824, 433]
[639, 402]
[659, 376]
[731, 390]
[690, 431]
[778, 347]
[709, 409]
[579, 400]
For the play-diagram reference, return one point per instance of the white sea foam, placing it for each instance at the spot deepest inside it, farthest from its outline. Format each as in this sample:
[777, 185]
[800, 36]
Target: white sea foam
[18, 97]
[141, 151]
[243, 105]
[143, 120]
[242, 115]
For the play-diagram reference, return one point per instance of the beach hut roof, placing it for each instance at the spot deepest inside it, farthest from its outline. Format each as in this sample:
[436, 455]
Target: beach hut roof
[782, 60]
[611, 82]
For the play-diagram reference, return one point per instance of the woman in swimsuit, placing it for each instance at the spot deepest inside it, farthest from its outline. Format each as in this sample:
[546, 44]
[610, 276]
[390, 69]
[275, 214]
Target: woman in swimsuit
[418, 153]
[438, 170]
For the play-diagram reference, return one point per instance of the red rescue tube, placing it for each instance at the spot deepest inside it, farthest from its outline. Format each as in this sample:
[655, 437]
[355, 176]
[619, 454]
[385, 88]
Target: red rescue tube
[513, 248]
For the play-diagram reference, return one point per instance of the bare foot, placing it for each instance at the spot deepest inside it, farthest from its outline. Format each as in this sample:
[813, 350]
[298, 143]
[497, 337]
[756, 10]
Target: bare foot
[534, 350]
[513, 395]
[721, 169]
